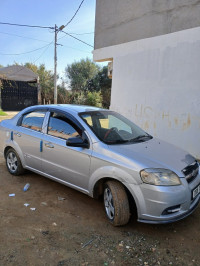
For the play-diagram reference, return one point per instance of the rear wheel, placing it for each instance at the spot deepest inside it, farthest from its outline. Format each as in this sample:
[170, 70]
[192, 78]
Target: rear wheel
[13, 162]
[116, 203]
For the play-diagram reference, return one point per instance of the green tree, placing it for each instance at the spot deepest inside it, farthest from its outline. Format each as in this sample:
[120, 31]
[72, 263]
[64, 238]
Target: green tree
[102, 83]
[63, 94]
[78, 98]
[80, 73]
[87, 76]
[105, 84]
[46, 79]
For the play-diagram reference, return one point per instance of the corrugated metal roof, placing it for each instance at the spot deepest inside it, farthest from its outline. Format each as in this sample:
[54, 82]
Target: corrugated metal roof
[18, 73]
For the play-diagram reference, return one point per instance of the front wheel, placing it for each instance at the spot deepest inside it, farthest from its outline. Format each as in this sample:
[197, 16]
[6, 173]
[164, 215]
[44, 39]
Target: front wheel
[13, 162]
[116, 203]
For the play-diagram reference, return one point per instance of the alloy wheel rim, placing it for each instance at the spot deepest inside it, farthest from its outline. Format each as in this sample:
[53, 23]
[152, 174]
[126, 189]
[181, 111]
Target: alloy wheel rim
[12, 162]
[108, 202]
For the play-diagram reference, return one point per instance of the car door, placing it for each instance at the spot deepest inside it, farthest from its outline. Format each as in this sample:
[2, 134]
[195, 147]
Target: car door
[69, 164]
[27, 135]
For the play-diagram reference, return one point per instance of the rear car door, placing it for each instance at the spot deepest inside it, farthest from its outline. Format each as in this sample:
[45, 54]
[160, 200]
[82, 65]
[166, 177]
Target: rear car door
[69, 164]
[27, 135]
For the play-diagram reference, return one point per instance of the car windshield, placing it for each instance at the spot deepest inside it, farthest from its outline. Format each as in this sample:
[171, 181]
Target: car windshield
[113, 128]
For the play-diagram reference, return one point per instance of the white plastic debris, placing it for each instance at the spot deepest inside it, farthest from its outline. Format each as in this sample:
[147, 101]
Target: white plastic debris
[32, 209]
[61, 198]
[44, 203]
[26, 204]
[12, 195]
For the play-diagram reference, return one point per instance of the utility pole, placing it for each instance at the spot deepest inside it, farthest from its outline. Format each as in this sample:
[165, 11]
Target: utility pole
[55, 66]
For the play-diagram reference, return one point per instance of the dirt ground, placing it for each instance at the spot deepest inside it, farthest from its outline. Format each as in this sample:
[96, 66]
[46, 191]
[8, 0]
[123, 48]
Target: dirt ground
[69, 228]
[74, 230]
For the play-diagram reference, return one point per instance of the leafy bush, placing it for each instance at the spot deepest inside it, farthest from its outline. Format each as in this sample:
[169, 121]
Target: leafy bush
[86, 98]
[94, 99]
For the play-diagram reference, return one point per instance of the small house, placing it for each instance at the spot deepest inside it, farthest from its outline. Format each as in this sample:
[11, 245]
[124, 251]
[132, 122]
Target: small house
[19, 88]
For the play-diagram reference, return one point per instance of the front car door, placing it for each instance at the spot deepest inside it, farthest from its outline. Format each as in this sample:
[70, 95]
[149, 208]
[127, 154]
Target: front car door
[71, 165]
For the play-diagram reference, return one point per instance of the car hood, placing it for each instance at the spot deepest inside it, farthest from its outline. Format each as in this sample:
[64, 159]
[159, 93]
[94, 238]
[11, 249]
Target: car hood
[154, 153]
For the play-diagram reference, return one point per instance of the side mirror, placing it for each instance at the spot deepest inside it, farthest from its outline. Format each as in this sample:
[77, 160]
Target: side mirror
[77, 142]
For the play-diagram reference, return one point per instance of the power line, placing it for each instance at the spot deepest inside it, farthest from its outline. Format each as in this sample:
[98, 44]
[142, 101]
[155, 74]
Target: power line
[76, 49]
[26, 37]
[46, 46]
[28, 51]
[84, 33]
[77, 38]
[25, 25]
[74, 13]
[73, 33]
[43, 52]
[35, 60]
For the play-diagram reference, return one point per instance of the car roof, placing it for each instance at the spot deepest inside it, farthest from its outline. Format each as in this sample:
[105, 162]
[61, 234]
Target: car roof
[71, 107]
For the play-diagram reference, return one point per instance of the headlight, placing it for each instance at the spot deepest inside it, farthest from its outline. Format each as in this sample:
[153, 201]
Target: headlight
[160, 177]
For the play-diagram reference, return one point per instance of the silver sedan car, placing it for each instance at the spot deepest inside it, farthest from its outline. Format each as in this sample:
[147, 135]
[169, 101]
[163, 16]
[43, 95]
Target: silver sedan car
[101, 153]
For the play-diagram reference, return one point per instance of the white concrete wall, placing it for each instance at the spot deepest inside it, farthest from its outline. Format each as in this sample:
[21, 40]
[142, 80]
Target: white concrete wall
[156, 83]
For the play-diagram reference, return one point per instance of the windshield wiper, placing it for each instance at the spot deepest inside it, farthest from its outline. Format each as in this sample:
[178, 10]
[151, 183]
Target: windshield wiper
[119, 141]
[140, 137]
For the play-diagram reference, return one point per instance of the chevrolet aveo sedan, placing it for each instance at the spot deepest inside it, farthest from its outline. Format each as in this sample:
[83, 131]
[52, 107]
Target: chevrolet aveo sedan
[101, 153]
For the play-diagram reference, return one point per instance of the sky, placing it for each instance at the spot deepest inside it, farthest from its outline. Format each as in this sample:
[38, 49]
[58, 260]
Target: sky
[17, 40]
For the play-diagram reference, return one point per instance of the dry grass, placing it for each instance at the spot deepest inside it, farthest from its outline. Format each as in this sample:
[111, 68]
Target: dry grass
[7, 115]
[2, 113]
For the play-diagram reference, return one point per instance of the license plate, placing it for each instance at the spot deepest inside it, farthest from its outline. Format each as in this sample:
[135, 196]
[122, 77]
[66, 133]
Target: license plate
[196, 191]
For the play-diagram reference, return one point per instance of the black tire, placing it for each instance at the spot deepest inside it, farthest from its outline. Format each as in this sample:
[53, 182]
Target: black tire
[13, 162]
[116, 203]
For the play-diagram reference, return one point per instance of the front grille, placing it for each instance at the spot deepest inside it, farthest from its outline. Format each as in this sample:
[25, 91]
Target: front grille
[191, 171]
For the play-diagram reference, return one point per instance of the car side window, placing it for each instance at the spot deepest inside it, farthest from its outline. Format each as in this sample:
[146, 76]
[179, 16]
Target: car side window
[61, 127]
[33, 120]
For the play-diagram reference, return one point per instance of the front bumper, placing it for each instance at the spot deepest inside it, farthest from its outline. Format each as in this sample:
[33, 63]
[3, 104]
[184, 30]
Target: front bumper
[174, 219]
[152, 201]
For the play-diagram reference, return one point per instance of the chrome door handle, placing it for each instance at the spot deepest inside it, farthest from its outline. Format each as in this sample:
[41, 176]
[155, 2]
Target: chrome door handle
[49, 145]
[17, 134]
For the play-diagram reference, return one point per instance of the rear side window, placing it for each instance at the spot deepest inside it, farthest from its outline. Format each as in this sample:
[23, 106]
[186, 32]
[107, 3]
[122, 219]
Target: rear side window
[60, 126]
[33, 120]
